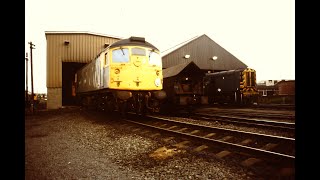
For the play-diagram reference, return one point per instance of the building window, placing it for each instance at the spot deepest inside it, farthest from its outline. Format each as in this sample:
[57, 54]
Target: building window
[264, 93]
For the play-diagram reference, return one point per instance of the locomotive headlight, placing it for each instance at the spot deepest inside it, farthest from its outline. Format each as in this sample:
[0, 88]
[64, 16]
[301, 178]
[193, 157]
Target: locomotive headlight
[157, 82]
[117, 71]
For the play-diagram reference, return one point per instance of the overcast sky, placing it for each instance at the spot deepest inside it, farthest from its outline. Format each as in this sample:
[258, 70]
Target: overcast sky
[260, 33]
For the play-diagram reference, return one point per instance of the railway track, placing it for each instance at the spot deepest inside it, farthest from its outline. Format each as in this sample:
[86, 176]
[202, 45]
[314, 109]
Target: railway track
[263, 106]
[260, 115]
[264, 115]
[265, 155]
[264, 123]
[275, 106]
[255, 147]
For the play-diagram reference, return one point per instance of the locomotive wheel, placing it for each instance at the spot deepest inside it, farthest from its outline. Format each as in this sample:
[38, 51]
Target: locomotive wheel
[141, 109]
[84, 103]
[123, 109]
[110, 104]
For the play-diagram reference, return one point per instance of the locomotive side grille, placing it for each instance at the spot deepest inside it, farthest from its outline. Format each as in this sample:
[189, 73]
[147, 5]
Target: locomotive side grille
[247, 78]
[252, 79]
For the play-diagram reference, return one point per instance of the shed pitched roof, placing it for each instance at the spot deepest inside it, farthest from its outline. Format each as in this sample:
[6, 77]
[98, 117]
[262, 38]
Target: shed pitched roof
[168, 51]
[81, 32]
[202, 50]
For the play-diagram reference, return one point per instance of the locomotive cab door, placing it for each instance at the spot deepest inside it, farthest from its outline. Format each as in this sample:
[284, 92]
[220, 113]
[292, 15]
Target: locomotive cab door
[105, 71]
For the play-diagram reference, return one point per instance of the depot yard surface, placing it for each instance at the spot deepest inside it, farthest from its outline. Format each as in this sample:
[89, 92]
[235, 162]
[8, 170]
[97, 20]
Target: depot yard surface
[77, 144]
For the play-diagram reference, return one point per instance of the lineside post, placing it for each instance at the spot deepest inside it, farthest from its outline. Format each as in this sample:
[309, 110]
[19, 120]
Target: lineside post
[32, 94]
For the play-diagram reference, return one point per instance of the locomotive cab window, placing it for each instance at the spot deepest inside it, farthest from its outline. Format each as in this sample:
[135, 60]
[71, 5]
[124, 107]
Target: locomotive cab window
[138, 51]
[154, 58]
[120, 55]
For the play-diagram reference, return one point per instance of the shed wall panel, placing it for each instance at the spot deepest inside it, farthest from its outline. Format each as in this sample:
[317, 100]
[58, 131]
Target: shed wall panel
[82, 48]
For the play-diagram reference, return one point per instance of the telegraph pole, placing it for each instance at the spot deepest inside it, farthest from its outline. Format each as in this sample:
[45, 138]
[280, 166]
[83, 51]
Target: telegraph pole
[27, 79]
[32, 94]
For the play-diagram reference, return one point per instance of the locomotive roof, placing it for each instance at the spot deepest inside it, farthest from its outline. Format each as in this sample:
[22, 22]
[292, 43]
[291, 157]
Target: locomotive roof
[133, 41]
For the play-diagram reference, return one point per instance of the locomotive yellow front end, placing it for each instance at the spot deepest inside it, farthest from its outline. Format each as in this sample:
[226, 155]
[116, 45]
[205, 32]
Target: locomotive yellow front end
[248, 85]
[135, 68]
[135, 74]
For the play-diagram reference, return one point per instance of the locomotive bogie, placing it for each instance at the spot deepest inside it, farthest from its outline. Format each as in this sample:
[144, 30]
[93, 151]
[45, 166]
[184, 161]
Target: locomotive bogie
[183, 93]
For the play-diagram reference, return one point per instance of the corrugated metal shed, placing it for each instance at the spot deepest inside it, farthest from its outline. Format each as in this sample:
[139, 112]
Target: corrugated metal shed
[70, 47]
[201, 51]
[79, 47]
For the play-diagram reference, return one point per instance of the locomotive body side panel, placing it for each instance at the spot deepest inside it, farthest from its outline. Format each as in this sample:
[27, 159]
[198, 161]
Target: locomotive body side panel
[234, 86]
[89, 77]
[227, 82]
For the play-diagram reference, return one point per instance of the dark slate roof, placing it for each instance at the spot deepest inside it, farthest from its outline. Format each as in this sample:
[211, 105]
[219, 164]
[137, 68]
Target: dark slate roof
[201, 54]
[133, 41]
[175, 70]
[285, 81]
[170, 50]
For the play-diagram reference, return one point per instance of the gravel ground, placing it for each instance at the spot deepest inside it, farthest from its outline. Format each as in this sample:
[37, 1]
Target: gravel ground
[75, 144]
